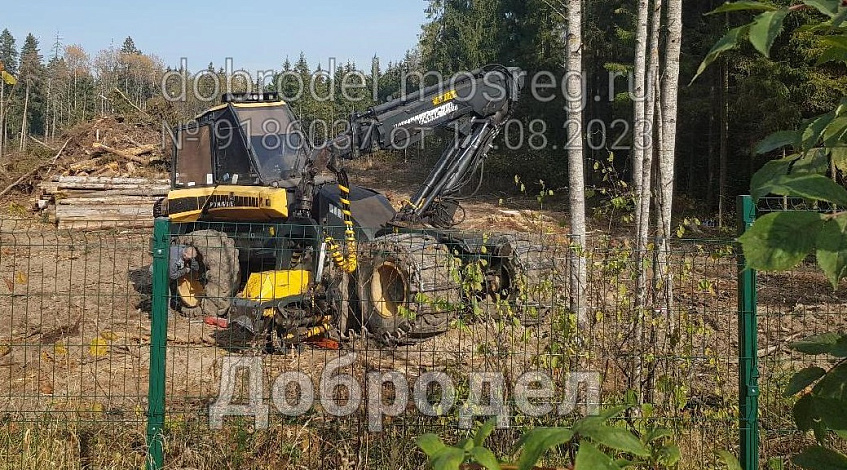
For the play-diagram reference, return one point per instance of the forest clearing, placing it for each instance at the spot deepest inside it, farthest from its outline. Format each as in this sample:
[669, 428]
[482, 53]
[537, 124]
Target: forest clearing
[525, 235]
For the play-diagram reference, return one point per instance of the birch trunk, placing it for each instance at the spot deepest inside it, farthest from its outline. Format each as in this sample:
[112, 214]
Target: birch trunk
[638, 98]
[576, 170]
[667, 149]
[22, 146]
[641, 337]
[652, 78]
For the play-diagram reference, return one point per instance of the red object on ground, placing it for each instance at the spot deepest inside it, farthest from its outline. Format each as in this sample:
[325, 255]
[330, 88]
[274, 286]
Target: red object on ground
[324, 343]
[216, 321]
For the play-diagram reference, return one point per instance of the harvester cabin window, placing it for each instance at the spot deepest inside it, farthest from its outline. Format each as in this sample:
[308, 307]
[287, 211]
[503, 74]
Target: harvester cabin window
[194, 157]
[233, 163]
[274, 139]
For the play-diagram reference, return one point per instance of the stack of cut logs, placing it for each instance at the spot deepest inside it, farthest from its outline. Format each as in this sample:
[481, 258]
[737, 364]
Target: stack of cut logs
[98, 202]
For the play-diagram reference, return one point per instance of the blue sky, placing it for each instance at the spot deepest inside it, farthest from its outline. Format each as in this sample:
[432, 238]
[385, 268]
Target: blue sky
[256, 36]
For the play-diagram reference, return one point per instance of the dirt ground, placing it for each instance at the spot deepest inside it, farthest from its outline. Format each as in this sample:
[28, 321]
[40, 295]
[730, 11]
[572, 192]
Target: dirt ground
[77, 333]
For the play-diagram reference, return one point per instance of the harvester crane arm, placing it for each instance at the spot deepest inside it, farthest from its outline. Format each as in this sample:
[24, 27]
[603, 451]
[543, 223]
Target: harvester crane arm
[474, 105]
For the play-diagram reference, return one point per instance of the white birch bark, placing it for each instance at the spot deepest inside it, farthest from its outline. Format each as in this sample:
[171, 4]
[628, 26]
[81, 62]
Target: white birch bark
[576, 170]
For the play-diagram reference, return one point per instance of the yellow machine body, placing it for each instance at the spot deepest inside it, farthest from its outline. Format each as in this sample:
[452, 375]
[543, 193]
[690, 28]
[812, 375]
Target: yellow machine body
[271, 285]
[190, 290]
[227, 203]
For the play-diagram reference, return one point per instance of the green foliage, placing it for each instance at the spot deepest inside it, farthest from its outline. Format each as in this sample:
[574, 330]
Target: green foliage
[743, 5]
[827, 7]
[821, 458]
[8, 53]
[729, 460]
[778, 241]
[777, 140]
[832, 249]
[594, 441]
[444, 457]
[616, 199]
[590, 457]
[728, 42]
[803, 379]
[765, 29]
[807, 186]
[538, 441]
[826, 343]
[822, 405]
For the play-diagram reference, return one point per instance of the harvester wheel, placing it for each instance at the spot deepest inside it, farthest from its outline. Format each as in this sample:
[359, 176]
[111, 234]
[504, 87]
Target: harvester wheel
[530, 272]
[218, 258]
[407, 287]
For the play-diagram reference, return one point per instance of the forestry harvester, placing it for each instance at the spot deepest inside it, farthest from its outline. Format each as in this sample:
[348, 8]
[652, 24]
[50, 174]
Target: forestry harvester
[292, 251]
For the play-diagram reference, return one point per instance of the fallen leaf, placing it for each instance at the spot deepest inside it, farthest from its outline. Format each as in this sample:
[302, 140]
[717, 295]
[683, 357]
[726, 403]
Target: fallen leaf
[98, 347]
[4, 350]
[9, 284]
[22, 278]
[109, 336]
[46, 389]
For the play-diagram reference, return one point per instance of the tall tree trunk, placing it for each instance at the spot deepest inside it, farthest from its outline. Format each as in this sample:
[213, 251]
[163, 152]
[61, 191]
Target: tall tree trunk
[652, 80]
[724, 124]
[2, 121]
[642, 147]
[576, 167]
[639, 97]
[667, 149]
[47, 110]
[710, 187]
[56, 116]
[652, 135]
[76, 97]
[22, 145]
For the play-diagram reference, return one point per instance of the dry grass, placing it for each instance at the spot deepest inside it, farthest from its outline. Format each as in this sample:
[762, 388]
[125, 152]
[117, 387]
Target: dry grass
[51, 444]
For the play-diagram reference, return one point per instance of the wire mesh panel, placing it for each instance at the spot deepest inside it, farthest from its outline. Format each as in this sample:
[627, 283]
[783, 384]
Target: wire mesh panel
[284, 346]
[792, 306]
[73, 347]
[285, 349]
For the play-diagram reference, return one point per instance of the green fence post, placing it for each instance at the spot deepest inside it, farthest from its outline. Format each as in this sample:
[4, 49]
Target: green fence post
[748, 372]
[158, 340]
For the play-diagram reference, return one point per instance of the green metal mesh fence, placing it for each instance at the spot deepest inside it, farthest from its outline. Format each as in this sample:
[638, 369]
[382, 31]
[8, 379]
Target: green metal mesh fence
[74, 346]
[77, 350]
[683, 360]
[791, 306]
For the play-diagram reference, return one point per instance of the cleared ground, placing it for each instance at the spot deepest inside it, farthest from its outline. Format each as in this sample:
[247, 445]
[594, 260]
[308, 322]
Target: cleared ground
[77, 335]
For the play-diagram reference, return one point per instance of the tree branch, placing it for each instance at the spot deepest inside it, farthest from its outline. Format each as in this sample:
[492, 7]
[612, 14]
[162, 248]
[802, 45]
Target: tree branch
[34, 170]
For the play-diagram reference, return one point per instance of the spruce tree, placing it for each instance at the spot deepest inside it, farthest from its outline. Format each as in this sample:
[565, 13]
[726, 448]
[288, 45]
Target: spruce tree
[8, 53]
[29, 96]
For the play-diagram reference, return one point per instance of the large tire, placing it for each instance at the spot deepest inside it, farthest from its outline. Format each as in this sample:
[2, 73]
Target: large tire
[407, 288]
[530, 270]
[218, 258]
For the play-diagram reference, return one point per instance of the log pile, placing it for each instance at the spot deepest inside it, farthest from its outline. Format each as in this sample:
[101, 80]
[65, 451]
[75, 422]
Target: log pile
[96, 202]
